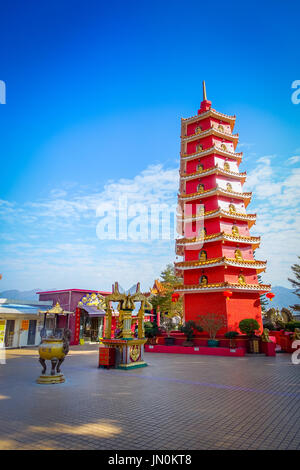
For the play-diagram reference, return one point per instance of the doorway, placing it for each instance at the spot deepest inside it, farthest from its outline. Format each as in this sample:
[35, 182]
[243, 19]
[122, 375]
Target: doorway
[9, 333]
[31, 332]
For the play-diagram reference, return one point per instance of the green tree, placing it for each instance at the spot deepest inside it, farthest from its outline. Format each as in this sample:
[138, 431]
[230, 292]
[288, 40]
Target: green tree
[263, 300]
[296, 284]
[163, 300]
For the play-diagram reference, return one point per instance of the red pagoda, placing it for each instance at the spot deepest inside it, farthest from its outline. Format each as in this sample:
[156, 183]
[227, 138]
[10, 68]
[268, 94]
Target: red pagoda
[219, 269]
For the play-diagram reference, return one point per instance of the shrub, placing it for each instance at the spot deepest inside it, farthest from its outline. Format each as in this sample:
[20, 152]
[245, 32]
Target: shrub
[291, 325]
[188, 329]
[212, 323]
[231, 334]
[270, 326]
[151, 330]
[248, 326]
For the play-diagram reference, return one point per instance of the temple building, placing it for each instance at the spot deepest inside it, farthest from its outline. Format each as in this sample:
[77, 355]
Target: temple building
[219, 267]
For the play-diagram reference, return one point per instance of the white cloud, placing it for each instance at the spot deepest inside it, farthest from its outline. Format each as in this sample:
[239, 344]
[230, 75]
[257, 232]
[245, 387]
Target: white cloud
[276, 195]
[293, 160]
[64, 250]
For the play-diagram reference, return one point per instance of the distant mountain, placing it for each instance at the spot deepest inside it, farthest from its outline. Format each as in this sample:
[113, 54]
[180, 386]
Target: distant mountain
[20, 295]
[284, 297]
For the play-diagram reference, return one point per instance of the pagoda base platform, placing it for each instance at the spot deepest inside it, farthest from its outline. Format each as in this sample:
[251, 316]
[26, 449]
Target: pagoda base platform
[133, 365]
[200, 350]
[129, 352]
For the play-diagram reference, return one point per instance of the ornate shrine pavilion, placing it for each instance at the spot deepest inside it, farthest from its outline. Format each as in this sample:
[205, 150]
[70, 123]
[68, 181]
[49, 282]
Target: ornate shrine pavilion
[219, 268]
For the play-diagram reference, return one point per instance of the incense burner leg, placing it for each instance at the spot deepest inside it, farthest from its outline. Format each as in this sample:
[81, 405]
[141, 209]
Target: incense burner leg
[43, 363]
[53, 363]
[59, 364]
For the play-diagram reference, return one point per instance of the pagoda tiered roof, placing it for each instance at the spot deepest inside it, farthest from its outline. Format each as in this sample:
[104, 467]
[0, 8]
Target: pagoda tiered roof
[211, 113]
[198, 288]
[214, 149]
[221, 236]
[259, 266]
[212, 131]
[211, 171]
[246, 197]
[250, 218]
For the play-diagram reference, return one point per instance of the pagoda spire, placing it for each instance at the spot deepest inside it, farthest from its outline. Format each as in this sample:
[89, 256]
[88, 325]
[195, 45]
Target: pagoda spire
[204, 91]
[205, 104]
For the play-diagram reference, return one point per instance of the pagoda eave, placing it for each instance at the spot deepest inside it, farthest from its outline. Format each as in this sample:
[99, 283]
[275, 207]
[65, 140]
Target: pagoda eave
[211, 113]
[249, 218]
[213, 150]
[221, 287]
[212, 131]
[258, 266]
[246, 197]
[213, 171]
[224, 237]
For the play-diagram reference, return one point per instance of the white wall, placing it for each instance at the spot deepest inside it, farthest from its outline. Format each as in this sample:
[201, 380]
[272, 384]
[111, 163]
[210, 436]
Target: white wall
[236, 185]
[20, 338]
[239, 206]
[232, 165]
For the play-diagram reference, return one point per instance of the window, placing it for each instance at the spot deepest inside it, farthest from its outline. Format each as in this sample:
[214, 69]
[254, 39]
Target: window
[200, 188]
[202, 255]
[226, 166]
[221, 128]
[241, 279]
[198, 129]
[223, 147]
[228, 187]
[203, 280]
[202, 232]
[232, 208]
[200, 167]
[199, 148]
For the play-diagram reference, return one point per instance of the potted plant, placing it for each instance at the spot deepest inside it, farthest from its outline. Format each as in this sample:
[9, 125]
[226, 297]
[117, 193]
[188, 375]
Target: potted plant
[188, 329]
[151, 331]
[249, 326]
[231, 335]
[212, 323]
[167, 326]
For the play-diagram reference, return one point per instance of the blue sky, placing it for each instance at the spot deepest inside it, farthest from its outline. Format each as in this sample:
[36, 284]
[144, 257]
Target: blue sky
[95, 93]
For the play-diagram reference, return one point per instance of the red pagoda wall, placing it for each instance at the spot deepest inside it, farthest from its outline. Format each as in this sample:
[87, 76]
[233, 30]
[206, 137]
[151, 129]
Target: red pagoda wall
[238, 307]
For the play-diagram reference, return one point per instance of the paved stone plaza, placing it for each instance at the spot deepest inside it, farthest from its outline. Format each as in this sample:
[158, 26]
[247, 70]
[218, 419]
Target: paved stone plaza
[178, 402]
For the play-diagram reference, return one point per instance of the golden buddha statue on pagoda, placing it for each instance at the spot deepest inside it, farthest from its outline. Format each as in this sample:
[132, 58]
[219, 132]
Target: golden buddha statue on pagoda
[232, 208]
[235, 230]
[238, 255]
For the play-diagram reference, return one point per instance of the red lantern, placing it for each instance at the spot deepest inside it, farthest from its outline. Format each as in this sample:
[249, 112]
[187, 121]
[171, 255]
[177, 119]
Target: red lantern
[270, 296]
[175, 297]
[227, 294]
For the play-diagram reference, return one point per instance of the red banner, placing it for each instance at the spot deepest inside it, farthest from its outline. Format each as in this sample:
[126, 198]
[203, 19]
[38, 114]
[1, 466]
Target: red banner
[77, 326]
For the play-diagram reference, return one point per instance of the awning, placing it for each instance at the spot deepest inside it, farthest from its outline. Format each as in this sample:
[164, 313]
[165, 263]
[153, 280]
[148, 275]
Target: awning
[93, 311]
